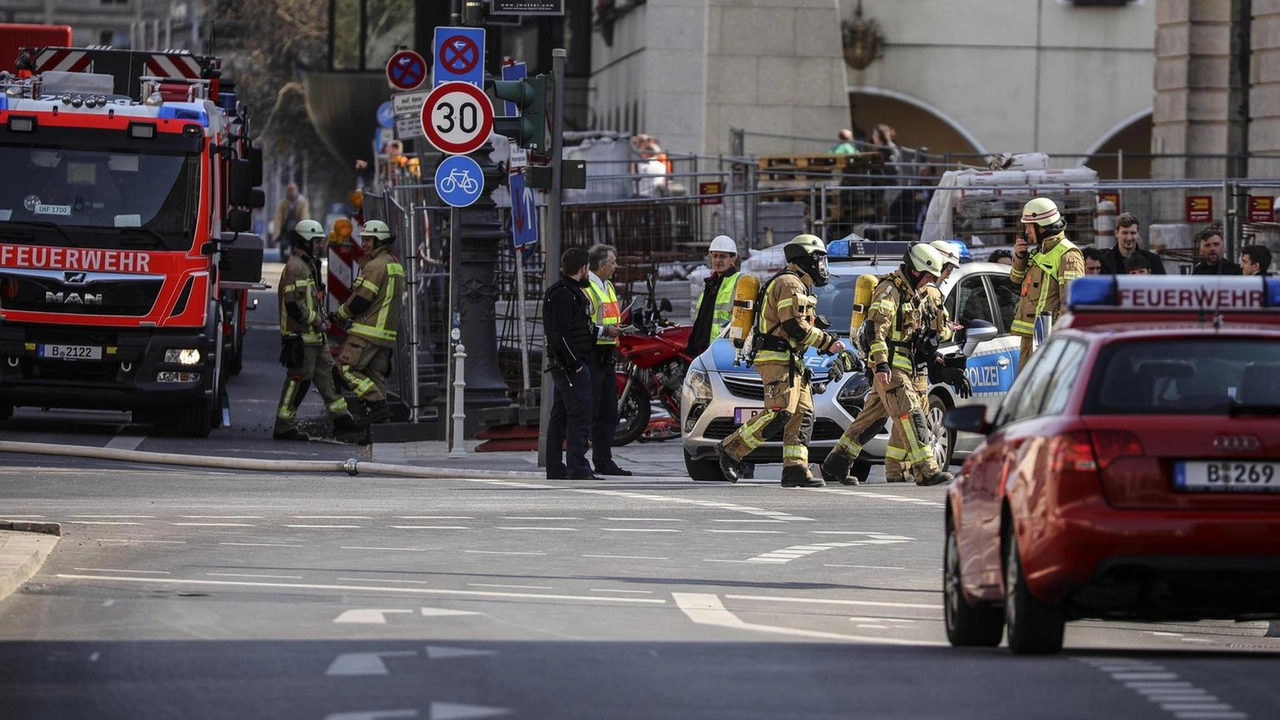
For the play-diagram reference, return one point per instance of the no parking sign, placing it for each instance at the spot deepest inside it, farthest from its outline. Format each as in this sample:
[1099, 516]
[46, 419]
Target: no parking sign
[459, 55]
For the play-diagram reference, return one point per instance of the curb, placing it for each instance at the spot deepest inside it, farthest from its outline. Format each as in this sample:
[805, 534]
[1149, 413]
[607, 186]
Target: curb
[24, 546]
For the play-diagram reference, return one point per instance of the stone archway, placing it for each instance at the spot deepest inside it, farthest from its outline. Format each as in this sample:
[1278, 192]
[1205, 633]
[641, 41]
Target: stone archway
[918, 124]
[1131, 135]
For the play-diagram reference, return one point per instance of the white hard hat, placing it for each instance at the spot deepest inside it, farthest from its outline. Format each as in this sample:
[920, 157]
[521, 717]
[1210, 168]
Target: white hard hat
[1040, 211]
[924, 259]
[377, 230]
[948, 252]
[724, 244]
[309, 230]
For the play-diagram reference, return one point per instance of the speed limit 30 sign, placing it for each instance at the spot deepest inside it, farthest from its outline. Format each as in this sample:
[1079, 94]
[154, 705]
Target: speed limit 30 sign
[457, 118]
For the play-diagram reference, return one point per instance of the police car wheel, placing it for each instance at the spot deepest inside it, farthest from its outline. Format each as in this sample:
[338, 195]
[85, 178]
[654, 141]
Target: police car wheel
[944, 443]
[703, 470]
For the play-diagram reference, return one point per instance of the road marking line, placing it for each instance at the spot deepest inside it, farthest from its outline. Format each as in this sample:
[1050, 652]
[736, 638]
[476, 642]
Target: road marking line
[366, 588]
[212, 524]
[117, 517]
[389, 549]
[255, 575]
[707, 609]
[128, 541]
[126, 442]
[502, 552]
[866, 567]
[746, 532]
[627, 557]
[436, 517]
[831, 601]
[346, 527]
[534, 527]
[430, 527]
[746, 520]
[147, 572]
[1164, 688]
[642, 530]
[222, 517]
[248, 544]
[102, 522]
[405, 582]
[331, 517]
[615, 519]
[27, 517]
[517, 587]
[636, 592]
[534, 517]
[368, 616]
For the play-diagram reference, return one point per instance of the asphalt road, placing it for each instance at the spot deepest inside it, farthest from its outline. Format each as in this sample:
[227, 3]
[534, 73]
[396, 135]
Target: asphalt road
[195, 594]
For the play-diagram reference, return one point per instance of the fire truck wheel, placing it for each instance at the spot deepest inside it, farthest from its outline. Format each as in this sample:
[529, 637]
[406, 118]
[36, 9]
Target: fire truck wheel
[195, 419]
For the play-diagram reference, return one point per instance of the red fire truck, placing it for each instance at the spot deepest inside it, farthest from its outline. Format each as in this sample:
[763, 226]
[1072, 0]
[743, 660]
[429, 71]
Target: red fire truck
[125, 258]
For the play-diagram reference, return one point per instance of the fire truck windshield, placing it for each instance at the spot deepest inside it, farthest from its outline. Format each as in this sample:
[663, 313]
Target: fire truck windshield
[93, 197]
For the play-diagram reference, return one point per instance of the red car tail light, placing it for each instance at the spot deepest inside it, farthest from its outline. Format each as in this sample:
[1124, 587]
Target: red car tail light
[1071, 453]
[1111, 445]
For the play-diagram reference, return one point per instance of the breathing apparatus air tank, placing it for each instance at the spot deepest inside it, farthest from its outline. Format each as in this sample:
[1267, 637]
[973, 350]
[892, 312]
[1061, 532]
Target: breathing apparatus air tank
[746, 297]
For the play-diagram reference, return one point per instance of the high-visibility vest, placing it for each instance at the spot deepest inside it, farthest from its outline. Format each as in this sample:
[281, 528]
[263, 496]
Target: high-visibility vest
[604, 308]
[1047, 263]
[723, 313]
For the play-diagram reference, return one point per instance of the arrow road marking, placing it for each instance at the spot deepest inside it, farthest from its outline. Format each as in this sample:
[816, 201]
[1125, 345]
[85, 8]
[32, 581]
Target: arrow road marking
[455, 711]
[369, 663]
[369, 616]
[442, 612]
[437, 652]
[706, 609]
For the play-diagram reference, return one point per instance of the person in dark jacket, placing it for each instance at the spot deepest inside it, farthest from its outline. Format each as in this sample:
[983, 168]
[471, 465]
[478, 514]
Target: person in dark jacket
[1211, 260]
[1116, 260]
[570, 342]
[1255, 260]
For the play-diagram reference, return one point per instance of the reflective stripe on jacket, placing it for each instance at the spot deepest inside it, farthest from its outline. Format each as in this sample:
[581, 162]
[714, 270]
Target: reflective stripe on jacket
[298, 287]
[605, 309]
[381, 281]
[723, 312]
[892, 292]
[1044, 276]
[787, 314]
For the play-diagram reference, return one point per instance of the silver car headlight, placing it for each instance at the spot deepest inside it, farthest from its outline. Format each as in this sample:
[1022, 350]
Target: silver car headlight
[698, 384]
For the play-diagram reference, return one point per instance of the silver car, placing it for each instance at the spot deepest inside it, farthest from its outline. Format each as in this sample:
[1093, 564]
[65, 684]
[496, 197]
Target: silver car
[720, 393]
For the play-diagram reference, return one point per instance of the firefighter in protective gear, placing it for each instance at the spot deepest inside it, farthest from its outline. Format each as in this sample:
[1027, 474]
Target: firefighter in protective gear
[1044, 271]
[715, 303]
[784, 330]
[897, 320]
[304, 351]
[373, 311]
[939, 329]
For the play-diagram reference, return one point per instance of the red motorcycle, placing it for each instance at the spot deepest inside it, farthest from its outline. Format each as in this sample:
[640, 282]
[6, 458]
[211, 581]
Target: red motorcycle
[653, 366]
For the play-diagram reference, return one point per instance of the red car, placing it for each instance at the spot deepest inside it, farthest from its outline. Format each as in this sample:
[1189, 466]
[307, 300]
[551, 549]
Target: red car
[1132, 472]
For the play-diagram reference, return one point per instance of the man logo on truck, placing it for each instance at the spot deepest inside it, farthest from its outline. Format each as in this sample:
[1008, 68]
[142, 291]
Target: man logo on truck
[59, 298]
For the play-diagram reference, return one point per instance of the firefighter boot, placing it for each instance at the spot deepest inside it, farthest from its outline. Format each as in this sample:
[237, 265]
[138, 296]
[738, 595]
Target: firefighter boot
[938, 478]
[836, 468]
[730, 468]
[797, 476]
[376, 412]
[345, 424]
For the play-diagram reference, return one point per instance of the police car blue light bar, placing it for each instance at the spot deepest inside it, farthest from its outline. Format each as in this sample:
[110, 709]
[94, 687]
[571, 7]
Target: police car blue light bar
[1169, 293]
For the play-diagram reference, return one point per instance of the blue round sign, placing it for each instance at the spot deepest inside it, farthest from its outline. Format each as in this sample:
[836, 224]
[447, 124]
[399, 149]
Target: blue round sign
[386, 115]
[459, 181]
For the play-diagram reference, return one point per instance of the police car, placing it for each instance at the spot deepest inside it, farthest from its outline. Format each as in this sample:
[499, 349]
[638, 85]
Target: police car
[720, 393]
[1132, 472]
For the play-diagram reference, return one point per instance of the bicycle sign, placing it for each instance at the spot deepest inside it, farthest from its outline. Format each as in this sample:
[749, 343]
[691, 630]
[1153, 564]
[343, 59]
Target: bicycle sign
[457, 118]
[459, 180]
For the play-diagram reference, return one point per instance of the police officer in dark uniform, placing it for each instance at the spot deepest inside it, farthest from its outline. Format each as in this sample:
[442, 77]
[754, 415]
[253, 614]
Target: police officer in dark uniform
[570, 342]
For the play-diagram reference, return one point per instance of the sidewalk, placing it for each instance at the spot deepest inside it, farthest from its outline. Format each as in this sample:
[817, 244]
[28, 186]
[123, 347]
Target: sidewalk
[658, 458]
[23, 549]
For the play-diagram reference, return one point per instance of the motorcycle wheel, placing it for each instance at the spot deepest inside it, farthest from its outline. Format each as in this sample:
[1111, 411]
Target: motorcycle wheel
[634, 417]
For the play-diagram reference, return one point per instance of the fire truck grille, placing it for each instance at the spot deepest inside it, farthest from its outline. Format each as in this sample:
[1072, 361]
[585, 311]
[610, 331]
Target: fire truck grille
[65, 292]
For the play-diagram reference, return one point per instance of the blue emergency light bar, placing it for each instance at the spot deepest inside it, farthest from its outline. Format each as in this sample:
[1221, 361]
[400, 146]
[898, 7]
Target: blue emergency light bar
[1173, 293]
[184, 111]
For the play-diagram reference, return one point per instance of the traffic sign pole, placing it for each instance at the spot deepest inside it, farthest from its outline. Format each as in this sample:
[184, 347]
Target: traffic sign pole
[551, 240]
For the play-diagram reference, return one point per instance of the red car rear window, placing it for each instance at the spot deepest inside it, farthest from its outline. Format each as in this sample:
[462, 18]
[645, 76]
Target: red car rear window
[1185, 377]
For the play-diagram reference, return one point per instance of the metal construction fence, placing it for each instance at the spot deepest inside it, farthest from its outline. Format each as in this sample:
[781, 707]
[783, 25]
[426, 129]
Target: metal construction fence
[661, 233]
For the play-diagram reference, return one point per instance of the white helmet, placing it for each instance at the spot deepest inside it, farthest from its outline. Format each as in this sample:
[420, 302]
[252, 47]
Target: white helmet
[948, 252]
[923, 258]
[1040, 211]
[724, 244]
[309, 230]
[377, 230]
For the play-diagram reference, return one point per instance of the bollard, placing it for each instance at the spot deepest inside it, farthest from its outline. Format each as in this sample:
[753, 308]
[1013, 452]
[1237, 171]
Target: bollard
[459, 448]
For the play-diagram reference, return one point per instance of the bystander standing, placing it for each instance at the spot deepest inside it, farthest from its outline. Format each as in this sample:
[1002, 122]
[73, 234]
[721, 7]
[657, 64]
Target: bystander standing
[1212, 261]
[844, 146]
[1139, 265]
[1255, 260]
[1092, 261]
[1119, 259]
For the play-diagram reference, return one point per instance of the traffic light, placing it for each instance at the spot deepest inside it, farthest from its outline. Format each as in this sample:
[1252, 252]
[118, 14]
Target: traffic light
[529, 127]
